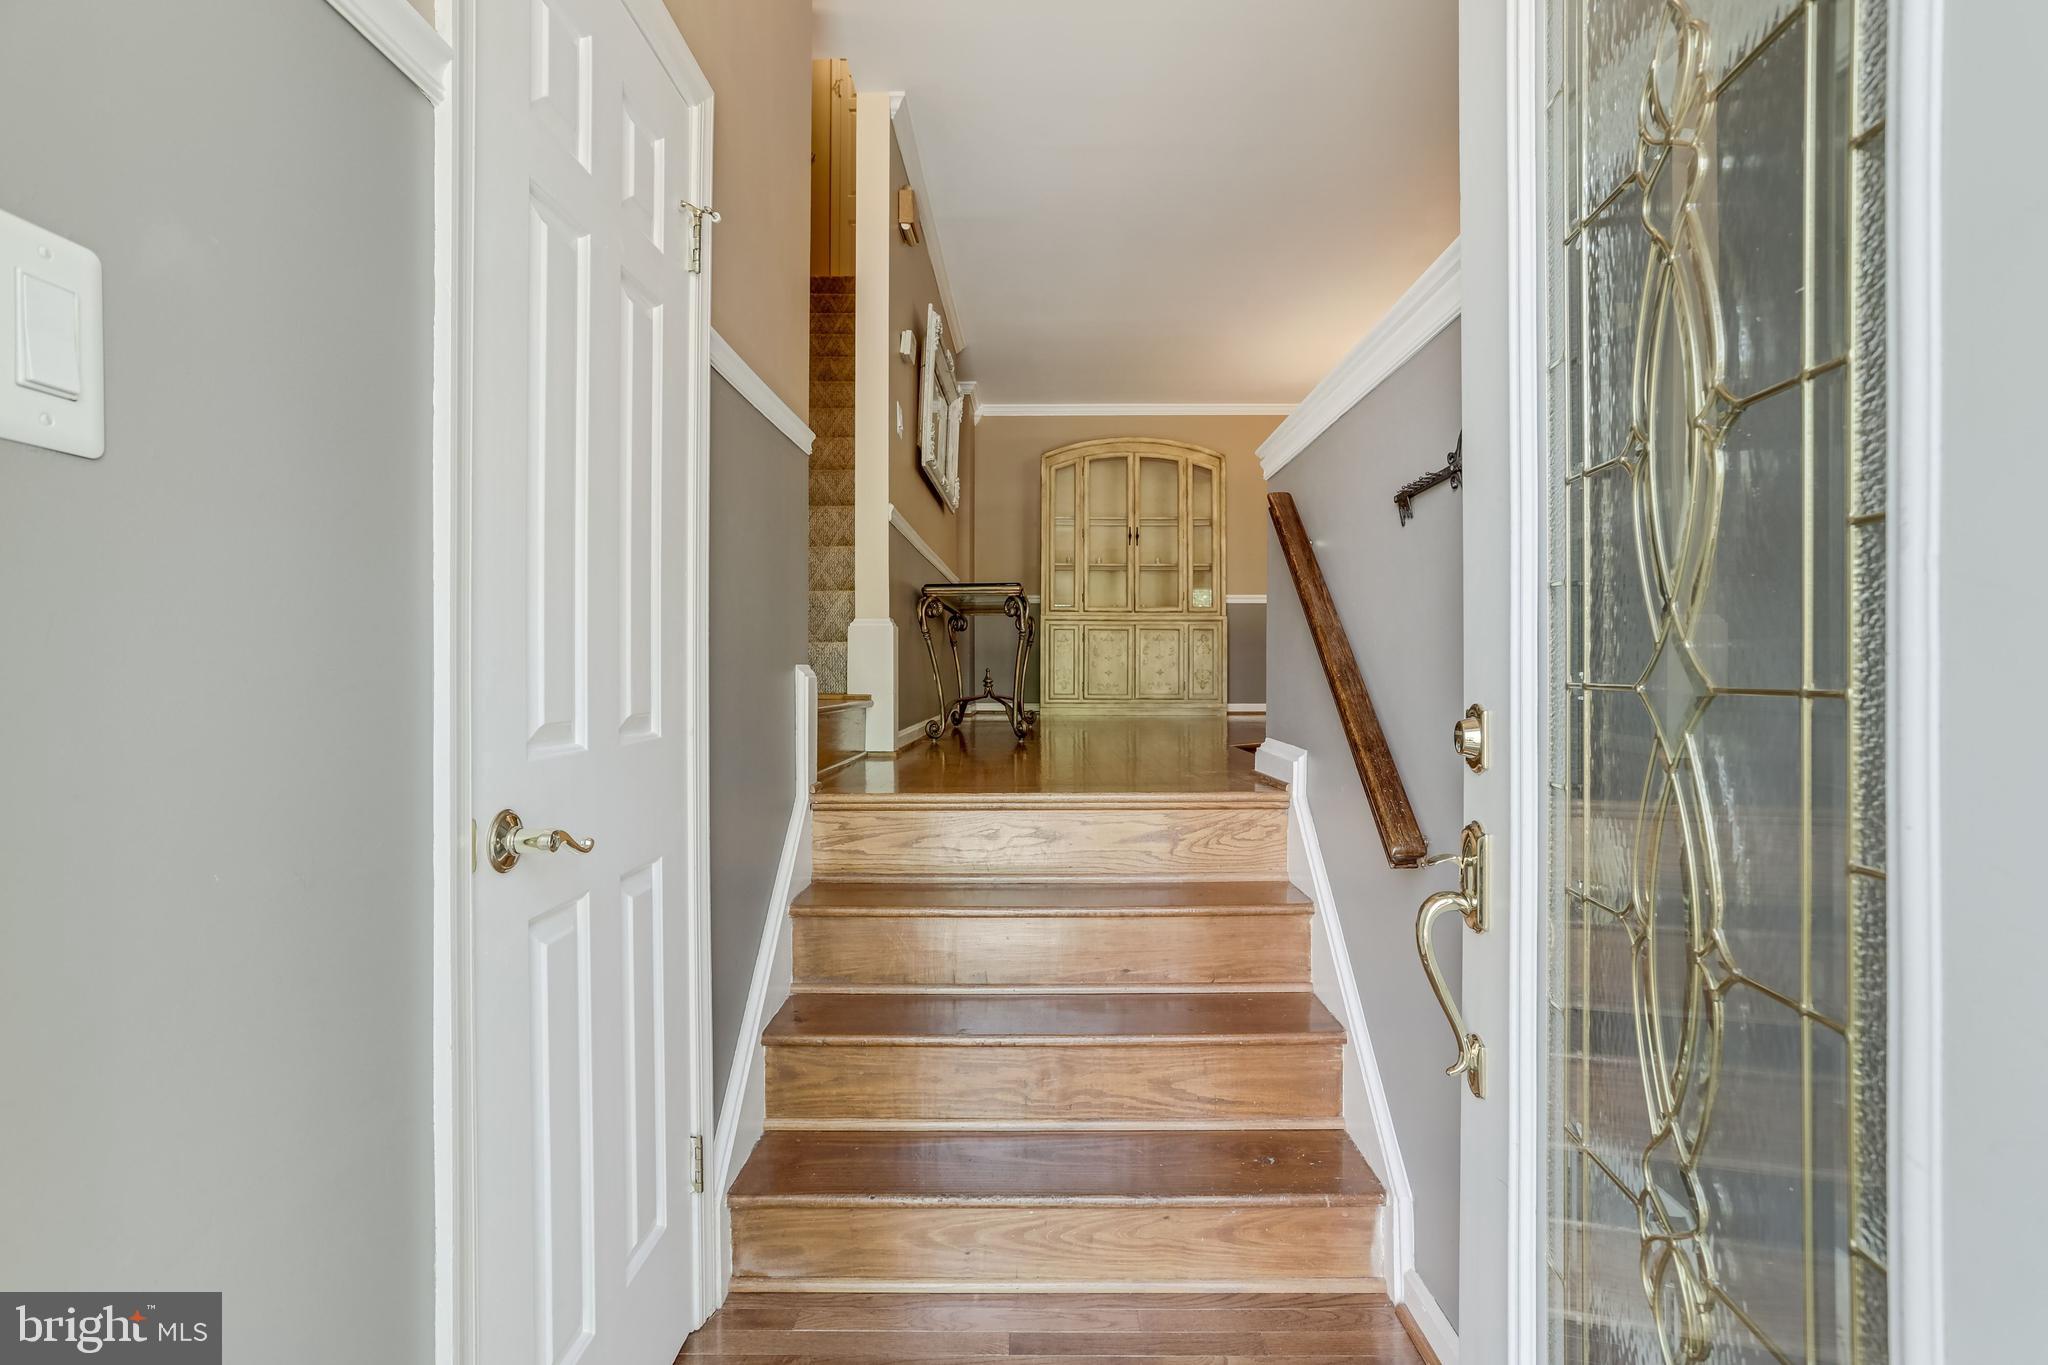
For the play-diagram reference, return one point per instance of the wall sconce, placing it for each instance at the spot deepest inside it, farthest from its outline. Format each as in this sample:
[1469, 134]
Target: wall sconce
[906, 215]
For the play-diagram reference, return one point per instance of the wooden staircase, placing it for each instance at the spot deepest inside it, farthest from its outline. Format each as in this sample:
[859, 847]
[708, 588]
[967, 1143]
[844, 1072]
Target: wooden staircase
[1053, 1042]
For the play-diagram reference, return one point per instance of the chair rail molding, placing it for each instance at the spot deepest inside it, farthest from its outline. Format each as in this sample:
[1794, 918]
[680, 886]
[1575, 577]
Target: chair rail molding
[406, 36]
[742, 1115]
[1431, 304]
[755, 390]
[920, 544]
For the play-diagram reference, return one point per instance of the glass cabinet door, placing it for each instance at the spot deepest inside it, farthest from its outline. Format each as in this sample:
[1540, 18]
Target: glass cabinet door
[1202, 592]
[1061, 516]
[1108, 510]
[1159, 539]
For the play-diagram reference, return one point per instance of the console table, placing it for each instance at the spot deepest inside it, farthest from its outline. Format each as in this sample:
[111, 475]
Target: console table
[955, 604]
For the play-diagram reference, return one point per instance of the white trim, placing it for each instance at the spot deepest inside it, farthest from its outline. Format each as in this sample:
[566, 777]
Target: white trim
[1521, 847]
[404, 35]
[1244, 599]
[456, 1329]
[913, 732]
[743, 1116]
[1918, 1216]
[906, 142]
[1429, 1318]
[1135, 409]
[919, 544]
[755, 390]
[1367, 1115]
[968, 388]
[1431, 304]
[871, 671]
[1245, 708]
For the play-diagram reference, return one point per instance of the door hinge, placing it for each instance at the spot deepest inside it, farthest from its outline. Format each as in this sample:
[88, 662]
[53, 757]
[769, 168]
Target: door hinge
[697, 1165]
[698, 215]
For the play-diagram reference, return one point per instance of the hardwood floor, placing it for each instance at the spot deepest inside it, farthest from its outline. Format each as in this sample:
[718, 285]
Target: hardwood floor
[1122, 755]
[1067, 1329]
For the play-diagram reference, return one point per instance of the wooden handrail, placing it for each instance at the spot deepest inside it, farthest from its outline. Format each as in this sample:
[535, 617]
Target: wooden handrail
[1384, 790]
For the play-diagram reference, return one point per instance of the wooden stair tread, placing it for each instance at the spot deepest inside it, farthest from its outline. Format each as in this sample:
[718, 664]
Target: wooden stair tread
[1051, 898]
[1252, 795]
[1241, 1166]
[839, 701]
[1167, 1018]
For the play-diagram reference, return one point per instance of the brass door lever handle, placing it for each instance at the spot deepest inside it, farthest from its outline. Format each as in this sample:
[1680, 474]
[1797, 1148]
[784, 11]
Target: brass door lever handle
[1470, 901]
[510, 840]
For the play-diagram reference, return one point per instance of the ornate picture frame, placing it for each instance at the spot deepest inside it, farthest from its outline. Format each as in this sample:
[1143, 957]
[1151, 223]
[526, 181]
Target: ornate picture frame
[939, 404]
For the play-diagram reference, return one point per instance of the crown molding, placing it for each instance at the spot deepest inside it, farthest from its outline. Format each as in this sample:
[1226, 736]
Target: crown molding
[1133, 409]
[755, 390]
[1431, 304]
[906, 142]
[970, 388]
[403, 34]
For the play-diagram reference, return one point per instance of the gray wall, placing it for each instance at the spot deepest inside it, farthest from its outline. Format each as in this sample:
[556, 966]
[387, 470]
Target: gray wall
[1993, 656]
[1398, 589]
[760, 525]
[1248, 641]
[214, 653]
[916, 698]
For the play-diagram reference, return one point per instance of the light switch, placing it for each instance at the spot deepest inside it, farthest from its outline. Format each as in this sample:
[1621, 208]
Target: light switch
[46, 355]
[52, 376]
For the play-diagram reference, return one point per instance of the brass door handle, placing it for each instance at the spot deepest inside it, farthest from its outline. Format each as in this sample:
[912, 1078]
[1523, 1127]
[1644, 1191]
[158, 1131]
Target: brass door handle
[510, 841]
[1470, 901]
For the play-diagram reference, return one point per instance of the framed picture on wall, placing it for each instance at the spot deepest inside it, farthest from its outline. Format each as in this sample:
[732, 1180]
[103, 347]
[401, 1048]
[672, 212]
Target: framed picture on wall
[939, 404]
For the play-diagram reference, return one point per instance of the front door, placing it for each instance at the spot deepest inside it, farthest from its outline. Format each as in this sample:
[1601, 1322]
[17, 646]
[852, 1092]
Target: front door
[1686, 1122]
[587, 375]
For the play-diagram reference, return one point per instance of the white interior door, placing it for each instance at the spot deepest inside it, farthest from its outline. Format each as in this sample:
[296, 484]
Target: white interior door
[588, 385]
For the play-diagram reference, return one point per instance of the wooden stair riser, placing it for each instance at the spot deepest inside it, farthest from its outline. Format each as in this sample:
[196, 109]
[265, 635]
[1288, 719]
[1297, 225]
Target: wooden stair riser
[1123, 1245]
[1097, 951]
[845, 1085]
[887, 841]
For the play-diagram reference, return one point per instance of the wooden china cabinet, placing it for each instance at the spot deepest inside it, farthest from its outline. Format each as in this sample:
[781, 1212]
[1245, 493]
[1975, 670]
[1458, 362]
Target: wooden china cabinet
[1131, 618]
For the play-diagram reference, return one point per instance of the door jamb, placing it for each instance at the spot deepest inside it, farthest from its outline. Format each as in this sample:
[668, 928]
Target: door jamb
[454, 838]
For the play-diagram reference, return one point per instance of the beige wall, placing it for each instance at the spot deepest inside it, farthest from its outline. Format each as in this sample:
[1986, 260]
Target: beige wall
[757, 56]
[913, 288]
[1007, 453]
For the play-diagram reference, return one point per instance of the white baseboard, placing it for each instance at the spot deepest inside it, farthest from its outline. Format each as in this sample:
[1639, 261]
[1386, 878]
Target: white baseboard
[912, 732]
[1246, 708]
[743, 1115]
[1436, 1329]
[1367, 1117]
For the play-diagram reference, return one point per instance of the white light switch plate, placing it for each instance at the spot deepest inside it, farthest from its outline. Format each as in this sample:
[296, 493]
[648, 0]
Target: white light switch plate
[52, 375]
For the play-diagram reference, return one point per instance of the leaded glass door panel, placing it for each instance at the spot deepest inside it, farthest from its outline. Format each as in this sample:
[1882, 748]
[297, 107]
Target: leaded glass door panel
[1716, 934]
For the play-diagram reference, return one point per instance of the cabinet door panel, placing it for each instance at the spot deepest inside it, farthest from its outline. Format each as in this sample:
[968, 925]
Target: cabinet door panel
[1161, 532]
[1205, 652]
[1062, 662]
[1160, 660]
[1107, 498]
[1106, 666]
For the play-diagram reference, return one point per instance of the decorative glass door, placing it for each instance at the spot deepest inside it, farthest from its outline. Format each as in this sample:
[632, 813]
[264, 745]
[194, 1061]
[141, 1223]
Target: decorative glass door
[1716, 934]
[1161, 510]
[1107, 499]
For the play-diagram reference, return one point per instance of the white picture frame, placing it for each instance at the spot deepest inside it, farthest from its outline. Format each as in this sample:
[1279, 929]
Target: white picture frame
[939, 405]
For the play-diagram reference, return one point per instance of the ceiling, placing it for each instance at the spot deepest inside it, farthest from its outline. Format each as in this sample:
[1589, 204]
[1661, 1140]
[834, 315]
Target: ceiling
[1169, 201]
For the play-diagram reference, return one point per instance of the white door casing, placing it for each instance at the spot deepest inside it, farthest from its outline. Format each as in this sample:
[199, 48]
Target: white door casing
[587, 370]
[1501, 1227]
